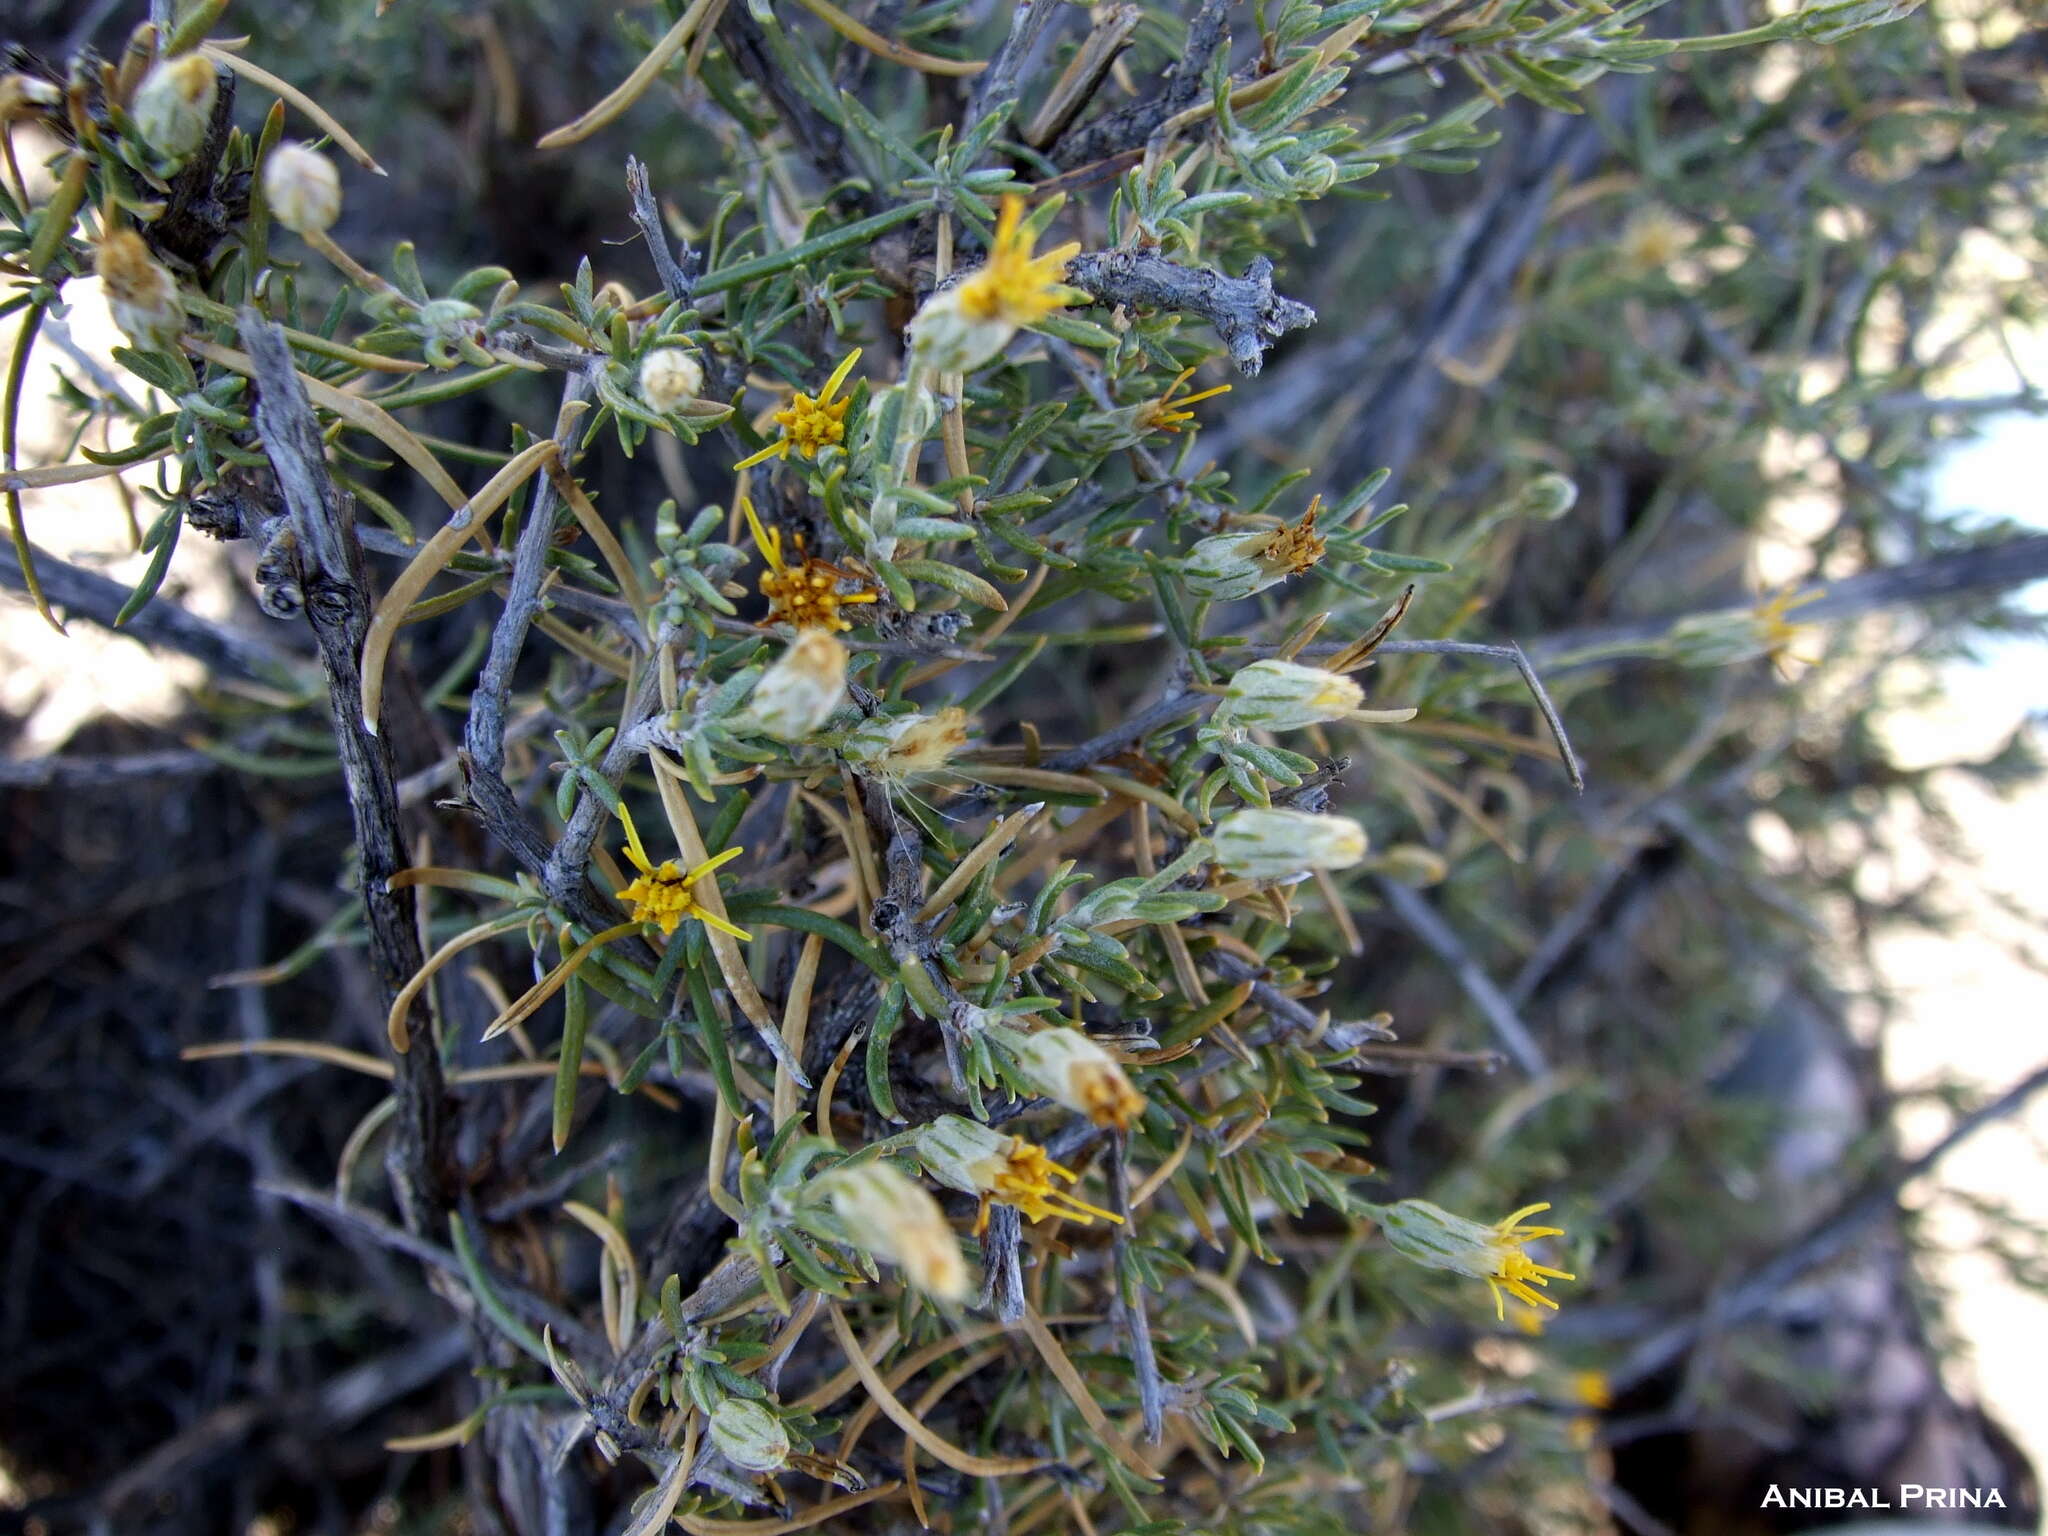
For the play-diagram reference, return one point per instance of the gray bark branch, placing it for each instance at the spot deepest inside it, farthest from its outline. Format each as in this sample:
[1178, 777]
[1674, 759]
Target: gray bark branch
[1245, 311]
[338, 610]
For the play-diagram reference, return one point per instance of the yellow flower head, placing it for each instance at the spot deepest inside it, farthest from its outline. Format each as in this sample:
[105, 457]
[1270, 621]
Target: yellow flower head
[967, 1155]
[1441, 1239]
[1592, 1389]
[1513, 1270]
[1777, 632]
[806, 594]
[665, 894]
[1167, 414]
[1025, 1180]
[1014, 286]
[810, 423]
[1654, 239]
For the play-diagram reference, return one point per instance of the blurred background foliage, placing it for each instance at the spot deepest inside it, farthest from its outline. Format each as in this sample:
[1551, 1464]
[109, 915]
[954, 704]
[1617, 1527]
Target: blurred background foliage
[1742, 302]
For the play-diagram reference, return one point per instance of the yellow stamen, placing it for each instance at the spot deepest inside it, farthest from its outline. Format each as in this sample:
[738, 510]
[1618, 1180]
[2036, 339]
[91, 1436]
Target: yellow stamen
[1167, 414]
[1779, 632]
[1295, 547]
[1108, 1098]
[1026, 1181]
[1514, 1271]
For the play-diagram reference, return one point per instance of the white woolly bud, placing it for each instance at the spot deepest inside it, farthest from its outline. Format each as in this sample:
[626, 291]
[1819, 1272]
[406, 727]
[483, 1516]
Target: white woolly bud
[1071, 1069]
[895, 1218]
[1277, 695]
[749, 1436]
[141, 296]
[670, 379]
[302, 188]
[801, 691]
[1547, 498]
[1264, 844]
[906, 748]
[1440, 1239]
[963, 1154]
[1225, 567]
[174, 105]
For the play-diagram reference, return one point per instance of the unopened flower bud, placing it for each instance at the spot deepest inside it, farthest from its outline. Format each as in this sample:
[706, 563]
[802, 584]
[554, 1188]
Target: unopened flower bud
[966, 1155]
[302, 189]
[906, 748]
[141, 295]
[670, 379]
[1715, 639]
[1547, 498]
[24, 95]
[749, 1436]
[1839, 22]
[1262, 844]
[1227, 566]
[802, 690]
[1275, 695]
[895, 1218]
[945, 338]
[174, 105]
[1071, 1069]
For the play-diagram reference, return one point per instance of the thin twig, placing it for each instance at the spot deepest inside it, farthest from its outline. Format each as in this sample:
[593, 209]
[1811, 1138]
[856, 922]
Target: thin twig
[677, 277]
[1137, 1326]
[1823, 1238]
[367, 1224]
[164, 625]
[1426, 924]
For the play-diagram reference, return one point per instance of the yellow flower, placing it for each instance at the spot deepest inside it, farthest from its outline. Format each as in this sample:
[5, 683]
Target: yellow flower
[1015, 287]
[1779, 633]
[966, 1155]
[1167, 414]
[1514, 1271]
[1591, 1389]
[807, 594]
[809, 423]
[1439, 1239]
[665, 894]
